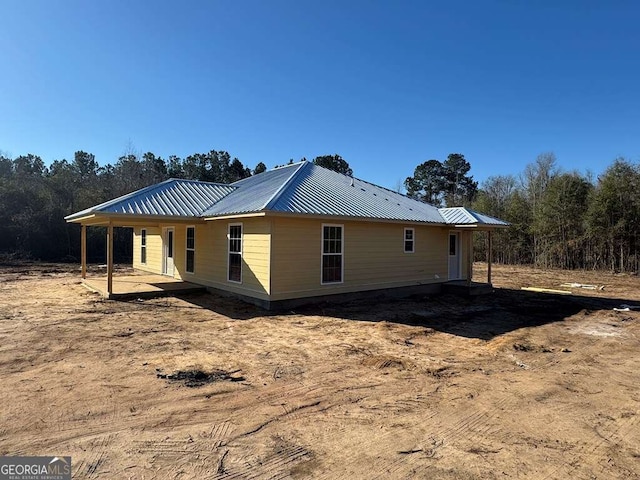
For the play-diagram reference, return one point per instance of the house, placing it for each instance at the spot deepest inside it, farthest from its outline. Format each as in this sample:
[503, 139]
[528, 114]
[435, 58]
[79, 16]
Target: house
[289, 234]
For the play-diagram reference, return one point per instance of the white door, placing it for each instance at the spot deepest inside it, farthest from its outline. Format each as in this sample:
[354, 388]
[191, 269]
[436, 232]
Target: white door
[167, 250]
[454, 256]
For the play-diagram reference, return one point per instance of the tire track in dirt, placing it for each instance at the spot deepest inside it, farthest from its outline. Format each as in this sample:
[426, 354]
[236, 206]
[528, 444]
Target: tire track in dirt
[370, 444]
[475, 425]
[590, 454]
[219, 433]
[276, 465]
[98, 448]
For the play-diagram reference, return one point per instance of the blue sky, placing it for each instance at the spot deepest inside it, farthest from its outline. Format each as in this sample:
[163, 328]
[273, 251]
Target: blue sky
[386, 84]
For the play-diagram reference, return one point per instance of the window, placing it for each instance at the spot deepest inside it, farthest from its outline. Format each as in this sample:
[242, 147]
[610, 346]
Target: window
[170, 243]
[332, 248]
[235, 253]
[453, 244]
[143, 245]
[409, 240]
[191, 249]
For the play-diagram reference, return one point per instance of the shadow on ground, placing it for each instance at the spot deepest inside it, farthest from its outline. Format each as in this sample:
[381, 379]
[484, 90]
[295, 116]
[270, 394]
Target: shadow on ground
[482, 317]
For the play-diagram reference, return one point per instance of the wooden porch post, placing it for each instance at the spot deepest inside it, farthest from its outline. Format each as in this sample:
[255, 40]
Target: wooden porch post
[109, 260]
[83, 251]
[469, 257]
[489, 256]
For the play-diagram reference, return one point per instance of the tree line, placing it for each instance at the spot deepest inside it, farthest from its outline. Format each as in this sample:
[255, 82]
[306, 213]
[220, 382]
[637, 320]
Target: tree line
[35, 198]
[566, 219]
[558, 219]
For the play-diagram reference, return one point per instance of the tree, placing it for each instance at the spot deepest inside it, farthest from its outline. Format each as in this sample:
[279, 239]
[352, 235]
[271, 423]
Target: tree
[174, 167]
[535, 180]
[260, 168]
[427, 183]
[614, 216]
[559, 221]
[441, 183]
[6, 166]
[237, 171]
[154, 169]
[459, 187]
[495, 194]
[28, 166]
[335, 163]
[501, 198]
[85, 165]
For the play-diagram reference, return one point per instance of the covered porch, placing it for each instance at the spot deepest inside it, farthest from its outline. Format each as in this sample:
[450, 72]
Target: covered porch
[468, 285]
[126, 285]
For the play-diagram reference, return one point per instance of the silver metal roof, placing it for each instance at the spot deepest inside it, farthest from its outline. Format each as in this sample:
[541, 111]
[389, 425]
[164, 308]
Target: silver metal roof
[181, 198]
[464, 216]
[253, 194]
[318, 191]
[300, 188]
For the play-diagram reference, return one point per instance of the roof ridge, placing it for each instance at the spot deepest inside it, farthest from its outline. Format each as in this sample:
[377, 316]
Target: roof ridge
[191, 180]
[278, 193]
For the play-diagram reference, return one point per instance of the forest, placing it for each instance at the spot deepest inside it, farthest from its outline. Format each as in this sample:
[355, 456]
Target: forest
[558, 219]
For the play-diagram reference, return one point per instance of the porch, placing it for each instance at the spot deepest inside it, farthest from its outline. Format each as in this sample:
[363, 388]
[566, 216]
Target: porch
[140, 286]
[467, 288]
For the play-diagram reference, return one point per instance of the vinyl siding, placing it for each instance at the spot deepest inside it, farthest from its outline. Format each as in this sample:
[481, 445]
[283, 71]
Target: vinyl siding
[373, 258]
[211, 252]
[281, 257]
[154, 250]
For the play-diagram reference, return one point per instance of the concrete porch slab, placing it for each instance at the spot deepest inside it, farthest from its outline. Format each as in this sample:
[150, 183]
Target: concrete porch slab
[141, 286]
[462, 287]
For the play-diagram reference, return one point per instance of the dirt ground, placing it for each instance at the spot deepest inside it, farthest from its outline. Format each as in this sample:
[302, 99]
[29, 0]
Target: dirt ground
[510, 385]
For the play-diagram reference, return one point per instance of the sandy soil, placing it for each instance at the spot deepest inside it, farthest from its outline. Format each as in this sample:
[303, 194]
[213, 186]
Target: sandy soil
[511, 385]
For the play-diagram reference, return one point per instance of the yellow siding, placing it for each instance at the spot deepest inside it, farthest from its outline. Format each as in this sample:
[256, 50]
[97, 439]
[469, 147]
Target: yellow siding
[154, 250]
[374, 257]
[179, 252]
[281, 257]
[256, 254]
[211, 252]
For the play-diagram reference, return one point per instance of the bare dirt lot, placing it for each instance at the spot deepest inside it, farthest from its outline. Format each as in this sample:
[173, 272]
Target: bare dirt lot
[510, 385]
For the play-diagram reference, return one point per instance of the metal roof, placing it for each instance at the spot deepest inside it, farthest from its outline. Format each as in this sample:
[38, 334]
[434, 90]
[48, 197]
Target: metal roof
[464, 216]
[253, 194]
[300, 188]
[173, 197]
[314, 190]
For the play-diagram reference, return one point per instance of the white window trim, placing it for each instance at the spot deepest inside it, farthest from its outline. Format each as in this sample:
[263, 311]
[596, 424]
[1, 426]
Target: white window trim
[322, 254]
[187, 249]
[413, 240]
[143, 238]
[229, 249]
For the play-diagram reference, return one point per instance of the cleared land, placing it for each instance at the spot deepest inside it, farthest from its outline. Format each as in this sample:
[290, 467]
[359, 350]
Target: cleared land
[512, 385]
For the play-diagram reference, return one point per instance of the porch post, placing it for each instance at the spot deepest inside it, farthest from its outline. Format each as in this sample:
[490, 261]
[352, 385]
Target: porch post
[109, 260]
[489, 256]
[469, 257]
[83, 251]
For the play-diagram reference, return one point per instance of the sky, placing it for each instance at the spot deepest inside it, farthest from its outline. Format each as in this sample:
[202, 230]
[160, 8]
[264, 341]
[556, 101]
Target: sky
[385, 84]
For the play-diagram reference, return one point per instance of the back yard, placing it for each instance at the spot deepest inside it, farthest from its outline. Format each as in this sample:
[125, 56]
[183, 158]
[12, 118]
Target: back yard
[512, 385]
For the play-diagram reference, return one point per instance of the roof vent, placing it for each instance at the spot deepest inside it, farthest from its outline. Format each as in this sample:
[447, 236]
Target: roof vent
[352, 181]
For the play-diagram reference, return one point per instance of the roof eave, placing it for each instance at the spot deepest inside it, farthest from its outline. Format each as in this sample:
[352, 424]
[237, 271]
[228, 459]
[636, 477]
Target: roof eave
[105, 218]
[275, 213]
